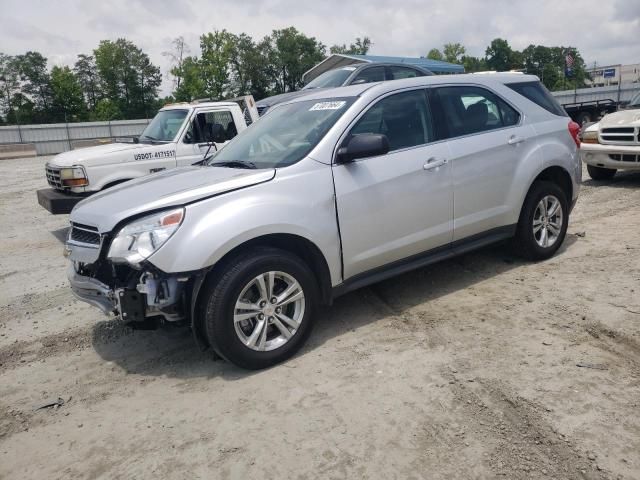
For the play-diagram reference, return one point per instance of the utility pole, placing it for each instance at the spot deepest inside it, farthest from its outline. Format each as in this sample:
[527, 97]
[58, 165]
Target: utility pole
[144, 106]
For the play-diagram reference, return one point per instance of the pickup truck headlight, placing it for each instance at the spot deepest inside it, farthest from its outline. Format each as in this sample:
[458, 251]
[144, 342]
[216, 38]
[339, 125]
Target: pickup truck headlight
[138, 240]
[73, 177]
[590, 137]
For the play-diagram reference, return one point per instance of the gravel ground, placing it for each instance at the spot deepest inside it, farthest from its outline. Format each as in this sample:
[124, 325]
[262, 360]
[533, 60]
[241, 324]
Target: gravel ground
[466, 369]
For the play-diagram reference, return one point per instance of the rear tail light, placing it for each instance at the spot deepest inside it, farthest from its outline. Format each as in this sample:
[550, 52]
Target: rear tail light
[574, 131]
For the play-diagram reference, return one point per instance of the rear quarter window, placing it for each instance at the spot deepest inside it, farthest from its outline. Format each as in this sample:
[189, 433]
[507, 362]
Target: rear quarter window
[538, 94]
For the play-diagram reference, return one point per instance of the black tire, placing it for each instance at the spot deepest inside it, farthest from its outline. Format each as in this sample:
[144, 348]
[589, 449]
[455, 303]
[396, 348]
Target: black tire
[525, 242]
[600, 173]
[221, 291]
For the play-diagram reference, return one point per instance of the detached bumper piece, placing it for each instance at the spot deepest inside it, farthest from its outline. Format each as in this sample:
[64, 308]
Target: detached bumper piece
[57, 202]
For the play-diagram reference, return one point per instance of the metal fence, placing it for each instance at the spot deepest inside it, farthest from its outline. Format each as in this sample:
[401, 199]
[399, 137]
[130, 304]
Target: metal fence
[59, 137]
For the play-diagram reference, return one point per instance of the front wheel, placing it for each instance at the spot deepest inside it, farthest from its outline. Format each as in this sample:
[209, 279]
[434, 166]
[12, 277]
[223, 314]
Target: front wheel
[600, 173]
[543, 221]
[260, 309]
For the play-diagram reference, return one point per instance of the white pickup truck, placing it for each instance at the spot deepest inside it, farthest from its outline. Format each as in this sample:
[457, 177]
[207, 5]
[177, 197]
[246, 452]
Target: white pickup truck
[613, 143]
[179, 135]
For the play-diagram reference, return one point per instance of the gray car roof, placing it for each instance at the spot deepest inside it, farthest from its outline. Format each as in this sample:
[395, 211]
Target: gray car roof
[380, 88]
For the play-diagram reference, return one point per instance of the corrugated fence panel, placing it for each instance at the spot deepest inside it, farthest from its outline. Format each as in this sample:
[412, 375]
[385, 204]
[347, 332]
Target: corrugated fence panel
[57, 137]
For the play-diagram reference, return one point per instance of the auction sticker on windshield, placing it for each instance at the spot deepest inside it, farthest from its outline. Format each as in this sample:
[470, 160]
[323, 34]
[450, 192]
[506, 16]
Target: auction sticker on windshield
[328, 106]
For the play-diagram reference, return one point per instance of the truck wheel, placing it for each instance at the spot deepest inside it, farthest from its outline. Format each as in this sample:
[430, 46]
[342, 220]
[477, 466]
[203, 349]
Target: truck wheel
[600, 173]
[543, 221]
[260, 309]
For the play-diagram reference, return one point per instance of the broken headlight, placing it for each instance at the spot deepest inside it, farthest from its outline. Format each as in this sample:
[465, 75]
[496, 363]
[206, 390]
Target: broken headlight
[139, 239]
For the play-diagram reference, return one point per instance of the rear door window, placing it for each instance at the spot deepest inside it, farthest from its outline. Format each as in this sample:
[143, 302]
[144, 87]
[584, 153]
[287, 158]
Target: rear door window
[368, 75]
[404, 118]
[538, 94]
[468, 109]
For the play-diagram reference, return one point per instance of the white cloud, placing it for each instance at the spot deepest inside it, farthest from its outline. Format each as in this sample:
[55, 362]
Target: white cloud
[604, 32]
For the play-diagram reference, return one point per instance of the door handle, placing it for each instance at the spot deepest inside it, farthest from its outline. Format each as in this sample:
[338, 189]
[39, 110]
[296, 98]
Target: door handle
[514, 140]
[434, 163]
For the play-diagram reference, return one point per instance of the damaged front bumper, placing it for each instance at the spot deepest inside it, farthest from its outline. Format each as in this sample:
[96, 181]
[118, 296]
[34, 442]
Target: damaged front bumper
[147, 295]
[92, 291]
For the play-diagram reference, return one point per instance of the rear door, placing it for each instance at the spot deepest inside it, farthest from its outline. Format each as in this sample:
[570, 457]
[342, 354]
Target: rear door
[393, 206]
[487, 141]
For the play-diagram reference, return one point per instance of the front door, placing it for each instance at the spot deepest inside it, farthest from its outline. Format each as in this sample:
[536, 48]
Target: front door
[208, 131]
[393, 206]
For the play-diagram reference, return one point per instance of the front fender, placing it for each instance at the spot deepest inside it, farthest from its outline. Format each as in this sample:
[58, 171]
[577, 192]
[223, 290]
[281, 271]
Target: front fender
[298, 201]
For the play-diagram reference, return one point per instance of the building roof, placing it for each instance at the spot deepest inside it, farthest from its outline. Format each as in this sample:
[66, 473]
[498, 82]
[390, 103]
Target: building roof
[337, 60]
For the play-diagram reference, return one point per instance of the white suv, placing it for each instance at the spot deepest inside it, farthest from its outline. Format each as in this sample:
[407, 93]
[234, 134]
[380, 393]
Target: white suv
[328, 193]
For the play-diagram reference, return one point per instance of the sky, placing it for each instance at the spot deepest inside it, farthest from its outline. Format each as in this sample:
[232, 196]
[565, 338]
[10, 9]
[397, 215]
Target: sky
[604, 31]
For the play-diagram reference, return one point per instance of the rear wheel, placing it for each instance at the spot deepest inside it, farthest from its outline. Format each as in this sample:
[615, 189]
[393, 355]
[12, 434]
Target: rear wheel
[543, 221]
[260, 310]
[600, 173]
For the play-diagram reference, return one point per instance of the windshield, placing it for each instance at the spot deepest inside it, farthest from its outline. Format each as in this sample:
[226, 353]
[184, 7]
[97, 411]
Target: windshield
[284, 136]
[635, 101]
[332, 78]
[164, 127]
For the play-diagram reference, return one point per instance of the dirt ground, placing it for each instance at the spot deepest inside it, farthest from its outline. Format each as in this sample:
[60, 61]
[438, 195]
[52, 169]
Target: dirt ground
[466, 369]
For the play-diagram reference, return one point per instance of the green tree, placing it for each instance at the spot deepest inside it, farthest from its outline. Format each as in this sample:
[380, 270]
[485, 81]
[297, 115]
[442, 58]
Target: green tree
[249, 66]
[360, 47]
[127, 77]
[36, 84]
[67, 99]
[291, 54]
[548, 63]
[501, 57]
[192, 84]
[87, 74]
[453, 52]
[216, 50]
[473, 64]
[435, 54]
[106, 110]
[9, 84]
[23, 110]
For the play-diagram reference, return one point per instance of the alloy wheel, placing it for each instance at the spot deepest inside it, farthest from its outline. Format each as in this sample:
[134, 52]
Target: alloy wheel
[269, 311]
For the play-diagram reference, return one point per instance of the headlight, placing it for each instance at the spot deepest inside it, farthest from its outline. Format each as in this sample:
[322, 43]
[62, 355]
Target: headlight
[590, 137]
[73, 177]
[141, 238]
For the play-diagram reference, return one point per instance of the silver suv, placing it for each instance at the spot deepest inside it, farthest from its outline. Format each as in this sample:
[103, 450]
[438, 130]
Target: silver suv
[325, 194]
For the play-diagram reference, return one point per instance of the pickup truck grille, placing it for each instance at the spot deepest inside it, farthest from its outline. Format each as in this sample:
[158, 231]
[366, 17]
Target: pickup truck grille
[53, 177]
[624, 157]
[84, 234]
[620, 135]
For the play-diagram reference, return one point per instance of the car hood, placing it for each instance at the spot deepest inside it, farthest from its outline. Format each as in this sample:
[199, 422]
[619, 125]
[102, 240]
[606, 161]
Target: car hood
[626, 118]
[169, 188]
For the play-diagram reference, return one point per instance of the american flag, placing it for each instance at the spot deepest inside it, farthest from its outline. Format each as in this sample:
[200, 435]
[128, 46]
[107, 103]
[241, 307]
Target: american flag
[568, 60]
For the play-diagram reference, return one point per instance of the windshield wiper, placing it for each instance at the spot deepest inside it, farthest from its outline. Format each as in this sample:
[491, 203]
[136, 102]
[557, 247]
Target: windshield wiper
[235, 164]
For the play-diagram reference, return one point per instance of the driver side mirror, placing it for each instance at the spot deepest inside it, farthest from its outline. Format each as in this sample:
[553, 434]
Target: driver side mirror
[188, 137]
[362, 146]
